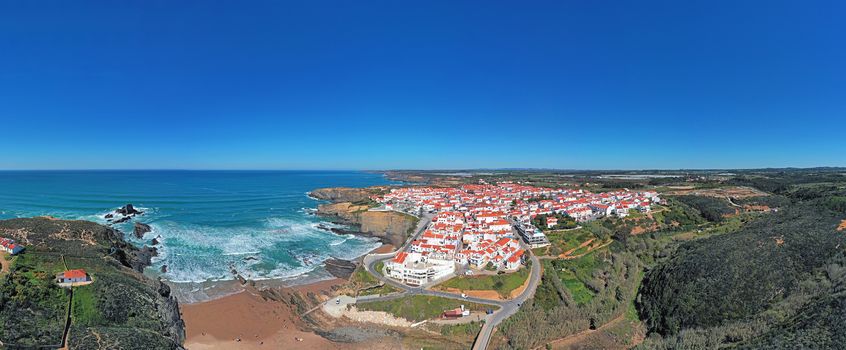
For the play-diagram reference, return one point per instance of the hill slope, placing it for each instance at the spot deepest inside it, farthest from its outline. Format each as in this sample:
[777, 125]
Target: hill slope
[768, 285]
[122, 309]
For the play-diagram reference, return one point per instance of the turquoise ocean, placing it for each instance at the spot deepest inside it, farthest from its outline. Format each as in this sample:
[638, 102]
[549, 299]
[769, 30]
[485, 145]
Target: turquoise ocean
[260, 222]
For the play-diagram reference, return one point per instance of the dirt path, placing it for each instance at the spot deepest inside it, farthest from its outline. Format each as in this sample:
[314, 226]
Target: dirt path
[476, 293]
[571, 257]
[4, 269]
[585, 243]
[578, 337]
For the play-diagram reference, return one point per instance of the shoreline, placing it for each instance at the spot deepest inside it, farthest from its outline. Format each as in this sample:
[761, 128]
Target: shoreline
[254, 322]
[189, 293]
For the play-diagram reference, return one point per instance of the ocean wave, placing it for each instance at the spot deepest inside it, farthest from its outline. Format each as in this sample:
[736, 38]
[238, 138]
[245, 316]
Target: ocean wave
[196, 253]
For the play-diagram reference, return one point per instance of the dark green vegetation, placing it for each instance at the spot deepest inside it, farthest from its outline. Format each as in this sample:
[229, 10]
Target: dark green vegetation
[29, 289]
[501, 283]
[679, 216]
[564, 222]
[122, 309]
[776, 282]
[420, 307]
[711, 209]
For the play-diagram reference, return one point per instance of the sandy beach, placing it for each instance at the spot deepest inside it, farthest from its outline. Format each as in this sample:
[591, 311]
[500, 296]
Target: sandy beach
[246, 321]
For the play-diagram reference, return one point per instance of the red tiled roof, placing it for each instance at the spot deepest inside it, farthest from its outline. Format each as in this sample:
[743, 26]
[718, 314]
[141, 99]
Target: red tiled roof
[400, 258]
[75, 273]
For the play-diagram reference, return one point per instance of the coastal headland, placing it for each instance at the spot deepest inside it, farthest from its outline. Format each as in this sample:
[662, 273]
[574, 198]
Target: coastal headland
[352, 206]
[117, 306]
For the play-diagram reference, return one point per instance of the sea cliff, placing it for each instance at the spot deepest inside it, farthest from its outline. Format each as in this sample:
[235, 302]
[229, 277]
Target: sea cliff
[352, 206]
[121, 309]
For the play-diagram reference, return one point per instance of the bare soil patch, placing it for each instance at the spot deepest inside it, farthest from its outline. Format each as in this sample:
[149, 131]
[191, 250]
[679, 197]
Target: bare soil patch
[722, 192]
[248, 321]
[5, 263]
[484, 294]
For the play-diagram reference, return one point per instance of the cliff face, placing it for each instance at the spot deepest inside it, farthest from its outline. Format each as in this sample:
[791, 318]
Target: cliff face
[390, 227]
[344, 194]
[121, 309]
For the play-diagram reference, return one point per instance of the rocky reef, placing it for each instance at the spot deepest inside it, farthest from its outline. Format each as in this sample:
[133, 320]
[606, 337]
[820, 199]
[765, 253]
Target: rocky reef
[140, 229]
[122, 214]
[121, 309]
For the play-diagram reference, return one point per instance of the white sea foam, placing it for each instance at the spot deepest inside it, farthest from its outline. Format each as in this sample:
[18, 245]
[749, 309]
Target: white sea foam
[284, 249]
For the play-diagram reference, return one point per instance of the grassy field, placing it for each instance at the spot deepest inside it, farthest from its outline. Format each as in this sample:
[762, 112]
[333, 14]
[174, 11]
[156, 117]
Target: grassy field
[574, 273]
[84, 309]
[420, 307]
[564, 240]
[502, 284]
[581, 294]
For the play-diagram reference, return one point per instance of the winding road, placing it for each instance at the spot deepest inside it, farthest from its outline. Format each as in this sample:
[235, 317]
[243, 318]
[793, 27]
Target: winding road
[506, 307]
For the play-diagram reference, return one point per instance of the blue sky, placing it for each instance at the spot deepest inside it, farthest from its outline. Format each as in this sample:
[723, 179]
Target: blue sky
[428, 84]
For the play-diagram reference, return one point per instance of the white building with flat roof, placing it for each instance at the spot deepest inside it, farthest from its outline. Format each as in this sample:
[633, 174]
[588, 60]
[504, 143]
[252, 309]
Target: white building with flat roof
[417, 269]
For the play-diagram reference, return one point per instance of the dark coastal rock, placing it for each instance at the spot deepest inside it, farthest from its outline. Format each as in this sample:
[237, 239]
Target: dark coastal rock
[128, 210]
[340, 268]
[273, 294]
[164, 269]
[155, 241]
[357, 334]
[339, 231]
[250, 258]
[109, 216]
[168, 310]
[144, 257]
[122, 220]
[140, 229]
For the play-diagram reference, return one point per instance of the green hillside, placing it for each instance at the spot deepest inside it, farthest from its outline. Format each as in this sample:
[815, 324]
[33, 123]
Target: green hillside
[121, 309]
[777, 282]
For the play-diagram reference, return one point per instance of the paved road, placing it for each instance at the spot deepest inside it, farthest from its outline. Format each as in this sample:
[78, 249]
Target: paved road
[506, 307]
[510, 307]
